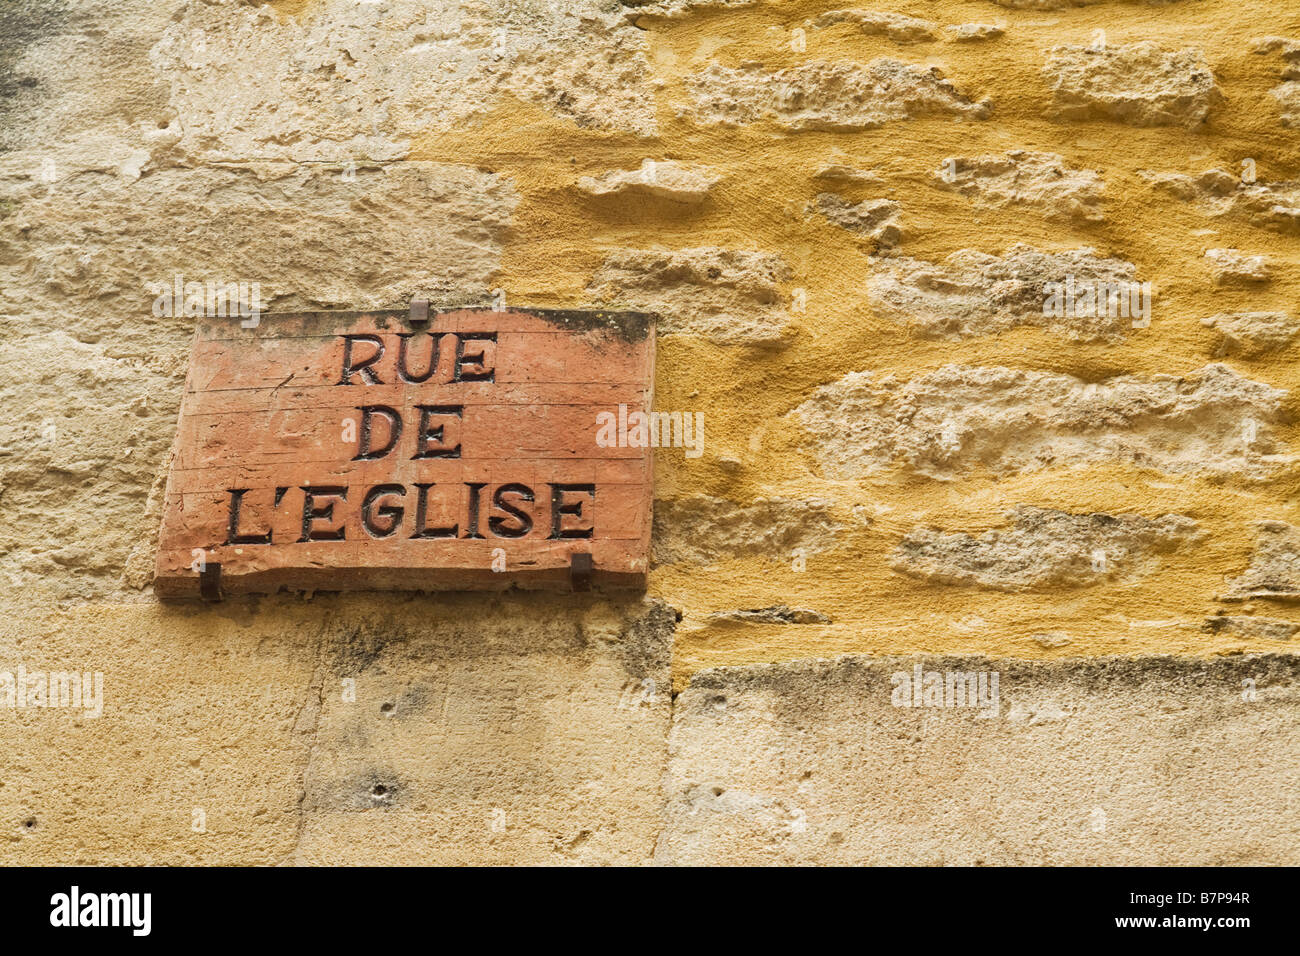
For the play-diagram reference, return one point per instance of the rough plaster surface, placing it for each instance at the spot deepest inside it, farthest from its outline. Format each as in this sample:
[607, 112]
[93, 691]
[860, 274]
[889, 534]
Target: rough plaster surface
[348, 155]
[360, 80]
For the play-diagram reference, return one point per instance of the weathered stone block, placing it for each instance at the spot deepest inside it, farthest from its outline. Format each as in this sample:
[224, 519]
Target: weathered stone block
[1112, 761]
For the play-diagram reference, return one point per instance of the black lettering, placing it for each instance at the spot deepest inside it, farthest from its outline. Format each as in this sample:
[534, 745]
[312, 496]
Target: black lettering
[477, 359]
[232, 535]
[501, 527]
[310, 513]
[393, 513]
[364, 451]
[350, 368]
[574, 508]
[421, 512]
[472, 530]
[403, 372]
[427, 434]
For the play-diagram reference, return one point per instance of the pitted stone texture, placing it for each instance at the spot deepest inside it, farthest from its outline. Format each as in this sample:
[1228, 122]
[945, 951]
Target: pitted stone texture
[1067, 4]
[1050, 640]
[1287, 93]
[678, 8]
[131, 88]
[776, 614]
[875, 218]
[893, 26]
[509, 732]
[1288, 98]
[345, 731]
[681, 182]
[1234, 267]
[432, 230]
[840, 173]
[703, 530]
[1274, 205]
[827, 96]
[1138, 83]
[594, 73]
[975, 293]
[729, 296]
[970, 32]
[958, 418]
[1252, 334]
[1242, 626]
[1043, 550]
[1108, 761]
[358, 81]
[198, 713]
[1287, 48]
[90, 422]
[86, 355]
[76, 89]
[1274, 571]
[1026, 178]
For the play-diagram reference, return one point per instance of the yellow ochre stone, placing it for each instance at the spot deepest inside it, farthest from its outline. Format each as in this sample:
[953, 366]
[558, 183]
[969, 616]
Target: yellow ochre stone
[768, 182]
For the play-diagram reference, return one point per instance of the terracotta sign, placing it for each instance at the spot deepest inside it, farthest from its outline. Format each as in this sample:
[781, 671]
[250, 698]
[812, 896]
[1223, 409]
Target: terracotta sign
[396, 450]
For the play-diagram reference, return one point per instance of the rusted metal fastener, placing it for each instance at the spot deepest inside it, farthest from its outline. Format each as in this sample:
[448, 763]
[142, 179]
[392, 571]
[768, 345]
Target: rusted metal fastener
[419, 311]
[210, 582]
[580, 568]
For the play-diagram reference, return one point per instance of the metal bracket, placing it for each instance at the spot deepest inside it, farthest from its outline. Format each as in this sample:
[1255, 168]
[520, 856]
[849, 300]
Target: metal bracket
[210, 582]
[580, 567]
[419, 312]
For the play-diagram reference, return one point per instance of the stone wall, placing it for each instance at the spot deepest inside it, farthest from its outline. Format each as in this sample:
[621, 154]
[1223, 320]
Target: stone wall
[850, 219]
